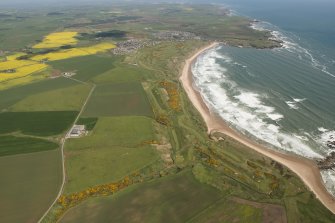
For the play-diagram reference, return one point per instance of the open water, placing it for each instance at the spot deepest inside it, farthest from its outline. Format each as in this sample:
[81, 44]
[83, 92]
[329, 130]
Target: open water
[282, 97]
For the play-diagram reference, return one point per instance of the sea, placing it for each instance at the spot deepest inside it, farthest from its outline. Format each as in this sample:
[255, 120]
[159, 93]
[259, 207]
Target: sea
[283, 97]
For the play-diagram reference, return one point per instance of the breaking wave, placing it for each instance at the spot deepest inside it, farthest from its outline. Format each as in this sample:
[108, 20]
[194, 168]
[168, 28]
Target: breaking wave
[292, 46]
[245, 110]
[328, 177]
[294, 104]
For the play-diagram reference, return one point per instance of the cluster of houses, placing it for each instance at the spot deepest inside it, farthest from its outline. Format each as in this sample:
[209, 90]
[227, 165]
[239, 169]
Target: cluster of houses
[132, 45]
[176, 36]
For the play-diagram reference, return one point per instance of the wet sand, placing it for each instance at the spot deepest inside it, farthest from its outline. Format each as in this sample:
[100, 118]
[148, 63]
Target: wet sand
[306, 169]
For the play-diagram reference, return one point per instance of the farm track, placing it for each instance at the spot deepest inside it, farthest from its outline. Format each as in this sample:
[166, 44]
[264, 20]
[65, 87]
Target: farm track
[63, 140]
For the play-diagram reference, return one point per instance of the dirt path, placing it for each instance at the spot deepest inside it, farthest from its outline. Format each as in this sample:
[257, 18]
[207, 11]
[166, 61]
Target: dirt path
[63, 140]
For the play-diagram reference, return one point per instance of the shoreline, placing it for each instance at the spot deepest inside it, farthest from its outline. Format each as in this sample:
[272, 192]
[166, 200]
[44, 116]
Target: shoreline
[306, 169]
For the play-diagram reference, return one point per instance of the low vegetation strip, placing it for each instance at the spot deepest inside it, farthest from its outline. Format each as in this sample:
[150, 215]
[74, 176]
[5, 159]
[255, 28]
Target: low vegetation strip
[12, 145]
[173, 94]
[36, 123]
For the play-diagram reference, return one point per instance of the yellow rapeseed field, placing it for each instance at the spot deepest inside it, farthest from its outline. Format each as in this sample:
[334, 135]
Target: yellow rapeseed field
[22, 80]
[22, 71]
[15, 56]
[13, 64]
[57, 39]
[75, 52]
[13, 68]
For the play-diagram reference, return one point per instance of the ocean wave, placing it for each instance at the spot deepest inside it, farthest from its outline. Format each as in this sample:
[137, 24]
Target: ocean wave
[328, 177]
[326, 138]
[244, 109]
[294, 103]
[290, 45]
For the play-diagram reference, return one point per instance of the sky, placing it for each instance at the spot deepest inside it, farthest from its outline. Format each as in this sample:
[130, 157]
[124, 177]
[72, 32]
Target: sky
[33, 3]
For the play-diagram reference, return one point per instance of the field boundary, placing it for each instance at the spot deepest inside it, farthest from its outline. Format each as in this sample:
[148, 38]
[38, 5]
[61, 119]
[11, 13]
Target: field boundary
[63, 140]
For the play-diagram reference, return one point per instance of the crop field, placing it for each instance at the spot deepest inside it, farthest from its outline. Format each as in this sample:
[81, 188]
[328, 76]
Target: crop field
[13, 64]
[15, 56]
[36, 123]
[25, 80]
[22, 72]
[172, 199]
[57, 39]
[86, 67]
[65, 99]
[14, 72]
[118, 99]
[100, 157]
[74, 52]
[11, 145]
[29, 183]
[11, 96]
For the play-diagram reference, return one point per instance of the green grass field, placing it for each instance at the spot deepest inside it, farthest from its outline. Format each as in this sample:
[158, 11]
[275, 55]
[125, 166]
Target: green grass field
[227, 211]
[90, 167]
[64, 99]
[101, 156]
[12, 96]
[172, 199]
[123, 72]
[29, 184]
[11, 145]
[88, 122]
[86, 67]
[118, 99]
[123, 131]
[178, 198]
[36, 123]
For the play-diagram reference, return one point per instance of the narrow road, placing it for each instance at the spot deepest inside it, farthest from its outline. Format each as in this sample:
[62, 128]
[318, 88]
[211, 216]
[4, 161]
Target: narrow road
[63, 140]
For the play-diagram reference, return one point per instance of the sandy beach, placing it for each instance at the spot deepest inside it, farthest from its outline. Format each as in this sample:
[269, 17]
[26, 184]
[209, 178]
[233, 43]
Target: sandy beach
[306, 169]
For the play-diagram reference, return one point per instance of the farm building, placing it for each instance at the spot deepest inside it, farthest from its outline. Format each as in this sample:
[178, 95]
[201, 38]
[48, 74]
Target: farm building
[77, 131]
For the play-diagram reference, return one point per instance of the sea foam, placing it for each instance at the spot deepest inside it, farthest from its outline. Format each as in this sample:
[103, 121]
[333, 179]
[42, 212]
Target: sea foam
[244, 109]
[328, 177]
[290, 45]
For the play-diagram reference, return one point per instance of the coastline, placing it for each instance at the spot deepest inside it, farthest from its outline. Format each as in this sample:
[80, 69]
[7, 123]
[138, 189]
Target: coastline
[306, 169]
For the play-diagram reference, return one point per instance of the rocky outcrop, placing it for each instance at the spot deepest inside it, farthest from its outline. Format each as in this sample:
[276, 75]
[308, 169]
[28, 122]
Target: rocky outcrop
[328, 162]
